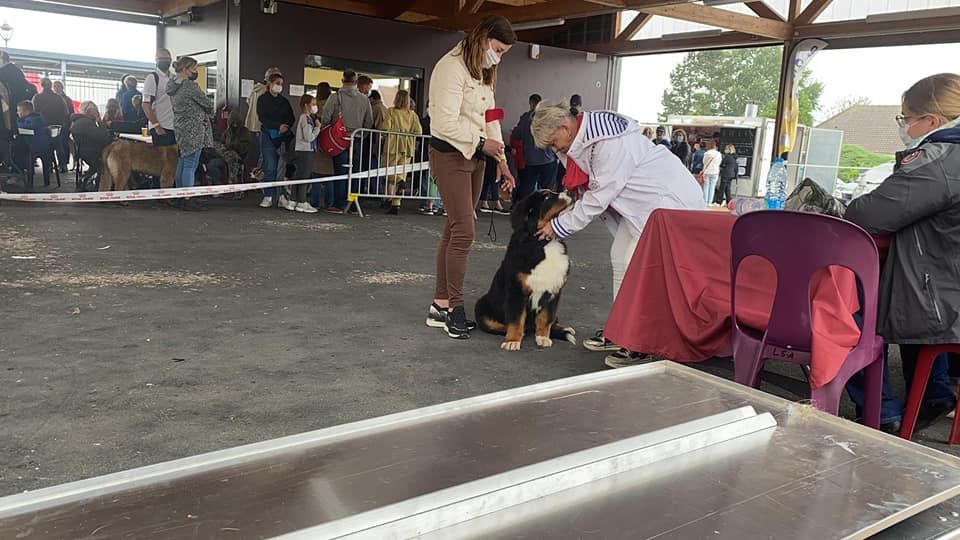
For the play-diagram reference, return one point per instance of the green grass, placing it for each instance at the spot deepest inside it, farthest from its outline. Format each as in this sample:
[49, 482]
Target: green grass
[852, 155]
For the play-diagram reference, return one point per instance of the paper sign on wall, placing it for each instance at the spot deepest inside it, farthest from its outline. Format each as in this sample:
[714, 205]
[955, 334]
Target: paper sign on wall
[296, 90]
[246, 86]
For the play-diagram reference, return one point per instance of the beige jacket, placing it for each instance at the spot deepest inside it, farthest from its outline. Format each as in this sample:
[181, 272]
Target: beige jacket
[458, 104]
[253, 119]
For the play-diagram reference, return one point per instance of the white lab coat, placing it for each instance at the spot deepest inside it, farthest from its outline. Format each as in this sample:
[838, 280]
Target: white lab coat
[630, 176]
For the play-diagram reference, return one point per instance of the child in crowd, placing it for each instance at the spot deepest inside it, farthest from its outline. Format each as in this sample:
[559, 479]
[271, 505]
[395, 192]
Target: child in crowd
[138, 107]
[34, 144]
[308, 129]
[112, 113]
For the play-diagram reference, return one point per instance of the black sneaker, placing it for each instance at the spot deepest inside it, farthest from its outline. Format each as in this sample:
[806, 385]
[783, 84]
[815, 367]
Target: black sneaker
[457, 324]
[624, 358]
[598, 343]
[437, 318]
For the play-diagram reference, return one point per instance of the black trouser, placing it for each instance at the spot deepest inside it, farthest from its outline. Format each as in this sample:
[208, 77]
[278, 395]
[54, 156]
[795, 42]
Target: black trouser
[723, 192]
[490, 191]
[61, 146]
[26, 160]
[304, 165]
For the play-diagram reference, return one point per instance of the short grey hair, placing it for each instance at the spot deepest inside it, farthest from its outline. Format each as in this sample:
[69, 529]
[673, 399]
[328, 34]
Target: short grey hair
[546, 121]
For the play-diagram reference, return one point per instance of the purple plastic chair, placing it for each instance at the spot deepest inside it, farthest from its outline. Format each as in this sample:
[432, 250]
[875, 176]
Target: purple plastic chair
[798, 245]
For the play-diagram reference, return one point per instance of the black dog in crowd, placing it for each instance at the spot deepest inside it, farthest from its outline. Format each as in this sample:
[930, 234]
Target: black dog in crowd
[525, 292]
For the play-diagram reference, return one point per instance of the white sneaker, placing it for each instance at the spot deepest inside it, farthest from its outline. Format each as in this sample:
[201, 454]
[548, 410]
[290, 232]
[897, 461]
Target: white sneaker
[267, 202]
[286, 203]
[306, 208]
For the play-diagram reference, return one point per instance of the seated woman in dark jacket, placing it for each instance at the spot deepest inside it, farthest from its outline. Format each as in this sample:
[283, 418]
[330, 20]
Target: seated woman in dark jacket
[919, 207]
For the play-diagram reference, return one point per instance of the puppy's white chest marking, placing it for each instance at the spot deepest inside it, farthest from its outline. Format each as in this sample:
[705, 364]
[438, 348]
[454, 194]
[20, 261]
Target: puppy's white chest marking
[550, 275]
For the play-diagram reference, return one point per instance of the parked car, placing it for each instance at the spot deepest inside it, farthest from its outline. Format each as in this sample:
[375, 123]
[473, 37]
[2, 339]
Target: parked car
[865, 183]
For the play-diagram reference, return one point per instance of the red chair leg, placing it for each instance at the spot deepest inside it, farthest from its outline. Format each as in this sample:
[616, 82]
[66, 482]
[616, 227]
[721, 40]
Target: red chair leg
[921, 375]
[955, 429]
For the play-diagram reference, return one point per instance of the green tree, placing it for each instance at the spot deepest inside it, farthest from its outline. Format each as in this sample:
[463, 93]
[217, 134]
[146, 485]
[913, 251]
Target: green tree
[723, 82]
[852, 155]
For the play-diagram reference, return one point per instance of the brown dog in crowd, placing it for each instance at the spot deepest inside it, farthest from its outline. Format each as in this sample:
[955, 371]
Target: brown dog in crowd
[122, 157]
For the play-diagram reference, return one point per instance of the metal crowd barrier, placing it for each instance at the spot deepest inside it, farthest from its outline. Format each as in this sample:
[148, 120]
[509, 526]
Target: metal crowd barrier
[402, 164]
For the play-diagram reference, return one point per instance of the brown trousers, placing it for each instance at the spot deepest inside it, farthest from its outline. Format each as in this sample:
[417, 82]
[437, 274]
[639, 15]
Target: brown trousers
[459, 181]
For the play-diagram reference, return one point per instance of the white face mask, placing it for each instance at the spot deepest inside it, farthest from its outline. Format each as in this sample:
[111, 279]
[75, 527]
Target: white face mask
[911, 142]
[490, 59]
[314, 109]
[277, 88]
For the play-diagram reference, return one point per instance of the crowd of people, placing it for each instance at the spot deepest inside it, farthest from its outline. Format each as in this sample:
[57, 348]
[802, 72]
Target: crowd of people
[41, 117]
[618, 170]
[714, 170]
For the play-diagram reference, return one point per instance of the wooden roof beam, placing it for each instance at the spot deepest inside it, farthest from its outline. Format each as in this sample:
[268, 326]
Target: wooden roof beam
[725, 19]
[176, 7]
[346, 6]
[861, 28]
[763, 10]
[570, 9]
[659, 45]
[793, 10]
[634, 27]
[813, 11]
[471, 6]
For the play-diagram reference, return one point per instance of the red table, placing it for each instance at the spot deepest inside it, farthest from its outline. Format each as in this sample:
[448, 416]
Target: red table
[675, 298]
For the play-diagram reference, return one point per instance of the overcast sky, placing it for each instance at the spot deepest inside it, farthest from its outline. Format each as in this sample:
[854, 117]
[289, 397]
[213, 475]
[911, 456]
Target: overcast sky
[41, 31]
[878, 74]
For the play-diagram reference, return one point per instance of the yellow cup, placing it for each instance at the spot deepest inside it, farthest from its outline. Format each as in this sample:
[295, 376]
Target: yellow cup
[145, 132]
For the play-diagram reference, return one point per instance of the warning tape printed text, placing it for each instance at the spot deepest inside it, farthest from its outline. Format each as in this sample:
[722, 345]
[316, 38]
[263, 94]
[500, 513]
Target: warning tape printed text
[172, 193]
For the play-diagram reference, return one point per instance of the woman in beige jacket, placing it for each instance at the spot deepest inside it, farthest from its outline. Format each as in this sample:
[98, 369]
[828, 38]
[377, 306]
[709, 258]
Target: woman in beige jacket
[464, 129]
[398, 149]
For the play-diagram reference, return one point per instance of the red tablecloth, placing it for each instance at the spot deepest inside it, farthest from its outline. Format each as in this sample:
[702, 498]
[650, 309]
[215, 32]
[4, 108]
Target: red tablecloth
[675, 297]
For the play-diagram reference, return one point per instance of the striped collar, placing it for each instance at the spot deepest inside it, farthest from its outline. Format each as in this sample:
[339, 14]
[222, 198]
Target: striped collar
[598, 126]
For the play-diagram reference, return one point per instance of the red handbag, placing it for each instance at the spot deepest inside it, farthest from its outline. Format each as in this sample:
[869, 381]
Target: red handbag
[335, 138]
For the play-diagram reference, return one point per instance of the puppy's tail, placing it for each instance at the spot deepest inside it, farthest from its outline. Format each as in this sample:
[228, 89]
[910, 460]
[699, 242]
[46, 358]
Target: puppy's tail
[563, 332]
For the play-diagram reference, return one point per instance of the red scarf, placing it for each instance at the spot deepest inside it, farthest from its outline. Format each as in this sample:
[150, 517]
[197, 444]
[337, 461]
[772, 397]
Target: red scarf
[575, 179]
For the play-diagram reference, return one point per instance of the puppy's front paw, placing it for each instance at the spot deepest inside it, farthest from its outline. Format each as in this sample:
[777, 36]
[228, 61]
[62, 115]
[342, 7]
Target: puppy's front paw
[544, 341]
[510, 345]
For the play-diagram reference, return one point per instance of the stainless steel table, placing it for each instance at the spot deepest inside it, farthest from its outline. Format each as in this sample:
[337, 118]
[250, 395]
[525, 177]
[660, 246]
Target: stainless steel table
[655, 451]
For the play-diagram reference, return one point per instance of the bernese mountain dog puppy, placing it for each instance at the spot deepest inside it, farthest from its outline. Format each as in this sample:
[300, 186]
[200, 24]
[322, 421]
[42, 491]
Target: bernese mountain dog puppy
[525, 292]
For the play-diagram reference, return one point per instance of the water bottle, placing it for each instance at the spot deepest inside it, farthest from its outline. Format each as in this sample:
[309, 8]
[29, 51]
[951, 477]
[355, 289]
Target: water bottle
[744, 205]
[777, 185]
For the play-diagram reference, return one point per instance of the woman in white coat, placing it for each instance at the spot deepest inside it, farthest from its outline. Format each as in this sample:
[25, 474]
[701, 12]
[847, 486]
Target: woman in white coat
[627, 177]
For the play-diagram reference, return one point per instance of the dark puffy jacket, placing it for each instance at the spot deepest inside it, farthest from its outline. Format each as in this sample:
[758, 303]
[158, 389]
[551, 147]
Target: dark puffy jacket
[51, 107]
[90, 138]
[728, 167]
[682, 151]
[919, 205]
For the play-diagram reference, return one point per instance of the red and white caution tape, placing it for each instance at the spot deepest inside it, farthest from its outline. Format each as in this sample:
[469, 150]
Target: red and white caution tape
[203, 191]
